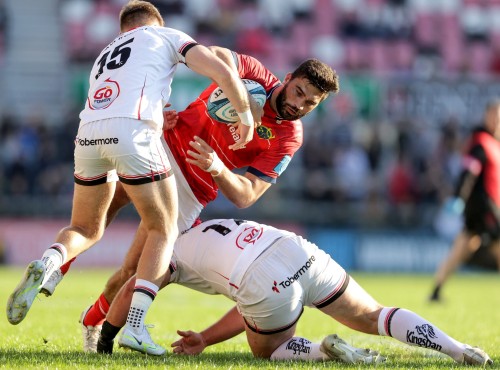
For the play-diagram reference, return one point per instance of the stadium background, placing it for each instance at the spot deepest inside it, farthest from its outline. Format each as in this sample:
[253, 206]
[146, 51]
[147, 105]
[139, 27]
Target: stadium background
[378, 159]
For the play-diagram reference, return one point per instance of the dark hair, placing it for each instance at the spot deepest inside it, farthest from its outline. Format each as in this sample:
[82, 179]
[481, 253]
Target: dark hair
[321, 75]
[137, 13]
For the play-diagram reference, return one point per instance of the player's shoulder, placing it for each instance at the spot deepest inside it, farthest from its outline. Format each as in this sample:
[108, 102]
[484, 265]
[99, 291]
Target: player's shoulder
[282, 129]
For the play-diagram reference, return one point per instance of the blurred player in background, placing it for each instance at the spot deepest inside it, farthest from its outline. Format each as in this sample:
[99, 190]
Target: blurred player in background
[272, 274]
[120, 129]
[478, 196]
[197, 148]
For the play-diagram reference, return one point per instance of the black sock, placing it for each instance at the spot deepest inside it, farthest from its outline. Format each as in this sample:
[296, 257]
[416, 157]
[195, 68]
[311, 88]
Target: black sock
[109, 331]
[435, 292]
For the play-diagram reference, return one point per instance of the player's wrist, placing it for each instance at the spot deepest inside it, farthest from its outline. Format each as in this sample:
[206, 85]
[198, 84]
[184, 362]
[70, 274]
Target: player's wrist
[216, 166]
[246, 118]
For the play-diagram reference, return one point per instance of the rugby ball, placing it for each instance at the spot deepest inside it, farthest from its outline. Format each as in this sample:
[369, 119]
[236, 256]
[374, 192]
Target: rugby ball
[220, 109]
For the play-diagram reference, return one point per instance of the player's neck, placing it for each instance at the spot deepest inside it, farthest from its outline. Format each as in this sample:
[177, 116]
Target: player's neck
[274, 96]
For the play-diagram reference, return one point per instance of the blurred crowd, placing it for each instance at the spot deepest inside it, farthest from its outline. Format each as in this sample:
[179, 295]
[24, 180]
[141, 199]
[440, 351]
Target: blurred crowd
[382, 36]
[392, 165]
[399, 167]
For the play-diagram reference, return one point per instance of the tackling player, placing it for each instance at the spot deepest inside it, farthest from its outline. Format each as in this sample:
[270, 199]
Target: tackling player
[120, 130]
[272, 274]
[197, 148]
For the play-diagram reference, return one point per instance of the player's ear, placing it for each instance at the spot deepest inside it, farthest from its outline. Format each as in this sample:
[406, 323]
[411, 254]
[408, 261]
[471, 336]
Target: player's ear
[288, 77]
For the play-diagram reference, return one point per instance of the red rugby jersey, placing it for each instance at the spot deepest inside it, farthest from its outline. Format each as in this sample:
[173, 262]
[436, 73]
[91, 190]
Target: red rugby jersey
[266, 156]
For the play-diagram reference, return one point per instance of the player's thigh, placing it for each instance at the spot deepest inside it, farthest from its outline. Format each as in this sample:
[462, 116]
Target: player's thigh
[355, 308]
[189, 206]
[156, 203]
[263, 346]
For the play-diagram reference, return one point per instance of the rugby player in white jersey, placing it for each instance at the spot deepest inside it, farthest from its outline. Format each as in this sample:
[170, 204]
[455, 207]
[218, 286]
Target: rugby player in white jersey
[272, 274]
[120, 129]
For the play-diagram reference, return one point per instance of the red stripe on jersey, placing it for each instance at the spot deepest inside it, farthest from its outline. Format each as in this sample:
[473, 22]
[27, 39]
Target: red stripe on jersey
[181, 49]
[140, 100]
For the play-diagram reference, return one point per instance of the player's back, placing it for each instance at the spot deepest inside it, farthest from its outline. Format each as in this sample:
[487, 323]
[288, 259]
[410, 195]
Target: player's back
[132, 76]
[212, 250]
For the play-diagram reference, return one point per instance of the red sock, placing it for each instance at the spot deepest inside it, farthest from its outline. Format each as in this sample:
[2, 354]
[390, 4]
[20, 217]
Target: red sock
[97, 313]
[64, 268]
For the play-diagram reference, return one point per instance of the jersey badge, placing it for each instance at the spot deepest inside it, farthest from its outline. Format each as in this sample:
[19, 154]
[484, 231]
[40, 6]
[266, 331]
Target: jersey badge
[265, 132]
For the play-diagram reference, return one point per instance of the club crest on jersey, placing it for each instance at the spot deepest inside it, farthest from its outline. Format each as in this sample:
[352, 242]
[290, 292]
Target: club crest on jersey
[265, 132]
[104, 94]
[249, 236]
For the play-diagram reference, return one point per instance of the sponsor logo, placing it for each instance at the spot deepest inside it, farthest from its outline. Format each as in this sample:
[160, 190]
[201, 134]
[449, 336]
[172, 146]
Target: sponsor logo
[275, 287]
[87, 142]
[423, 337]
[248, 236]
[137, 340]
[104, 94]
[265, 132]
[292, 279]
[233, 132]
[299, 346]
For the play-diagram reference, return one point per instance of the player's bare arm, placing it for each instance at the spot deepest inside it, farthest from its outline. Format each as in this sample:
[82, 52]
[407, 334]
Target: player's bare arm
[227, 327]
[227, 57]
[242, 191]
[201, 60]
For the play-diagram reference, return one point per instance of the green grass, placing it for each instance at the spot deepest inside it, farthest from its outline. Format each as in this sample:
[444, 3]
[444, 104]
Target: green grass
[49, 338]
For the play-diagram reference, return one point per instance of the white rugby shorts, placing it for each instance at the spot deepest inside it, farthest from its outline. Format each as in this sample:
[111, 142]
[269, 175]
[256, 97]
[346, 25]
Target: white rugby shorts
[189, 206]
[130, 146]
[290, 274]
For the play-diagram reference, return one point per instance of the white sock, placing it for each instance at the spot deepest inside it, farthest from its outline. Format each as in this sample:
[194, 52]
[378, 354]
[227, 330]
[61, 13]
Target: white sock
[298, 348]
[409, 328]
[53, 258]
[144, 294]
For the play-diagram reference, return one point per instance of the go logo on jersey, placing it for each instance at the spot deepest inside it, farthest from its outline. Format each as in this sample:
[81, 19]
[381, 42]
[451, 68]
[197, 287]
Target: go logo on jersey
[104, 94]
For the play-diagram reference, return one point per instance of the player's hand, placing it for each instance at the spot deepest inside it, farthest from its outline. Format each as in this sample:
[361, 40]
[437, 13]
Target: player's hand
[170, 118]
[202, 154]
[191, 343]
[246, 132]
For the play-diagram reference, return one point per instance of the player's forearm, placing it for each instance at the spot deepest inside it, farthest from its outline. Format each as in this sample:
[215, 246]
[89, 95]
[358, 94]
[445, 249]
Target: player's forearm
[465, 185]
[203, 61]
[236, 188]
[230, 325]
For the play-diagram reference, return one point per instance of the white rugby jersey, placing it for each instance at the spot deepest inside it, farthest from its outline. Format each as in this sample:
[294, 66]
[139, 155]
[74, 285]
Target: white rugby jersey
[132, 76]
[209, 256]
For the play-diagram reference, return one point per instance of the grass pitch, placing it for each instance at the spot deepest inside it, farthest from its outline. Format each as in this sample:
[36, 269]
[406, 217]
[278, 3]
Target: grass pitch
[49, 337]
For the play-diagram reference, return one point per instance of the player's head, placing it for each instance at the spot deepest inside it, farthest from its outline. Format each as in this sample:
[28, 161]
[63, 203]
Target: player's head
[492, 118]
[305, 88]
[138, 13]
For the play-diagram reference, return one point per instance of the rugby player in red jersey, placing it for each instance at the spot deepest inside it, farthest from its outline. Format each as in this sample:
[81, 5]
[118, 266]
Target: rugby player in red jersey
[477, 195]
[198, 148]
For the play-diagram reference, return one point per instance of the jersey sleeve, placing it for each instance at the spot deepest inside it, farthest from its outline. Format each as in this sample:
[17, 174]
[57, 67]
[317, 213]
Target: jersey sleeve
[181, 42]
[270, 164]
[472, 163]
[250, 68]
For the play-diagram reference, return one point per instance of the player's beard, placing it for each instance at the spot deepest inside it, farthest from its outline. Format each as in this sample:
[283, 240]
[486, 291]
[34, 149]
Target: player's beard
[283, 107]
